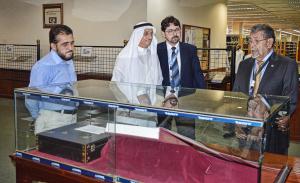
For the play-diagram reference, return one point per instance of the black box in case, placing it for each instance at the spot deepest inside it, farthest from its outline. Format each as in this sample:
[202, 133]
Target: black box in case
[72, 144]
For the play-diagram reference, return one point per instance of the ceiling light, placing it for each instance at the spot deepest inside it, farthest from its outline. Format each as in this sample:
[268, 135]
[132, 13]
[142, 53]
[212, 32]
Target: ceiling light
[294, 3]
[289, 33]
[286, 32]
[241, 8]
[297, 31]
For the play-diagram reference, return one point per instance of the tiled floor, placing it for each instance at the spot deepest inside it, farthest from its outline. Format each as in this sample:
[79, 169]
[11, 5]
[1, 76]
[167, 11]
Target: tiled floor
[7, 142]
[294, 149]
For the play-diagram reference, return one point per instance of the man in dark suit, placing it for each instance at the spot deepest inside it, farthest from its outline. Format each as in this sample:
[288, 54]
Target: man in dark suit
[180, 68]
[271, 74]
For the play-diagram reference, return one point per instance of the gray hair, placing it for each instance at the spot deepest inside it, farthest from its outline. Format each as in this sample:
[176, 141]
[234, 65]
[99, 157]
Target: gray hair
[267, 30]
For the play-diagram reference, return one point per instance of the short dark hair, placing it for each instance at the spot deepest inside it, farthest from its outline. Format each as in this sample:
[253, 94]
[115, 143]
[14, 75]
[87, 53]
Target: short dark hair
[267, 30]
[166, 22]
[58, 29]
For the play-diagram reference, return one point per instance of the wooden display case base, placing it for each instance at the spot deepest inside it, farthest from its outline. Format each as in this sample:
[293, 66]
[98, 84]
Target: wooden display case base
[28, 171]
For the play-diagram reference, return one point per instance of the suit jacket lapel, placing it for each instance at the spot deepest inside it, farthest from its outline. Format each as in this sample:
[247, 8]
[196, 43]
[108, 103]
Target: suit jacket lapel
[182, 60]
[267, 76]
[248, 73]
[165, 63]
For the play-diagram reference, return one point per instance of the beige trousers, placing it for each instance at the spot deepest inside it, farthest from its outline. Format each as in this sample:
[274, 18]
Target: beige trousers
[48, 120]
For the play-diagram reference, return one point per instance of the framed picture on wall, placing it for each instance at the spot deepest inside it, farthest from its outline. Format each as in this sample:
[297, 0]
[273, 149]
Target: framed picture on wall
[200, 37]
[52, 14]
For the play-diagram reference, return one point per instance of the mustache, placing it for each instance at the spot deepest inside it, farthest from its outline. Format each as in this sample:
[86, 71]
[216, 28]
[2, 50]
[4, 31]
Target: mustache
[175, 37]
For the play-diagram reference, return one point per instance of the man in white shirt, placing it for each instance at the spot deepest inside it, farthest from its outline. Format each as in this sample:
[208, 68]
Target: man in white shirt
[239, 55]
[138, 63]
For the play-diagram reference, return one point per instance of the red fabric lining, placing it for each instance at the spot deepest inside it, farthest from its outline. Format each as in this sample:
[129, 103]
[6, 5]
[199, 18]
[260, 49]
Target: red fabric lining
[168, 159]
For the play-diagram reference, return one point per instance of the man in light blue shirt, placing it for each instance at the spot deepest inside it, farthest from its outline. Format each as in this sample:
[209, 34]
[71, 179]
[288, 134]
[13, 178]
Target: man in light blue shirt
[54, 70]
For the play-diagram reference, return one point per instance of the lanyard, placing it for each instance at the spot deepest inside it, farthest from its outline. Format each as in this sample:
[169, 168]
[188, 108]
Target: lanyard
[252, 83]
[260, 69]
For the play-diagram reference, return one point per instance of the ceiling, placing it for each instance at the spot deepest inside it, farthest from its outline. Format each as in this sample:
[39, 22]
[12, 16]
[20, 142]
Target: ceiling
[282, 15]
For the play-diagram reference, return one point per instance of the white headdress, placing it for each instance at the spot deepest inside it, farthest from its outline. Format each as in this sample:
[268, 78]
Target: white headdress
[129, 67]
[136, 66]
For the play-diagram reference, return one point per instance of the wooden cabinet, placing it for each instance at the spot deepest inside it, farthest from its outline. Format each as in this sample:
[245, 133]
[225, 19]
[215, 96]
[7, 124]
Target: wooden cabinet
[11, 79]
[29, 171]
[94, 75]
[295, 122]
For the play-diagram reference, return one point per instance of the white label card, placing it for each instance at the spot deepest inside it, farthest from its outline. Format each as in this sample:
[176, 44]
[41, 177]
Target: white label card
[139, 131]
[91, 129]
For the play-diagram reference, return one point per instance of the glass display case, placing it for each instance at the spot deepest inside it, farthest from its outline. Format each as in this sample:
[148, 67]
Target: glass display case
[119, 132]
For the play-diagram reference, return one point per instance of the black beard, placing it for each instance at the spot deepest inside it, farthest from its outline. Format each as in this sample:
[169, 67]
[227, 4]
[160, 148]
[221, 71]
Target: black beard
[175, 39]
[65, 58]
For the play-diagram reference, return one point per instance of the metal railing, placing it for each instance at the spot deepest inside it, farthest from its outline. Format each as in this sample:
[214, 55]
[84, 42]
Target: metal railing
[95, 62]
[218, 61]
[19, 56]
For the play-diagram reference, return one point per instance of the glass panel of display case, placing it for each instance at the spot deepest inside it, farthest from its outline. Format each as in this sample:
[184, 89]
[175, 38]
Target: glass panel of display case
[150, 133]
[56, 127]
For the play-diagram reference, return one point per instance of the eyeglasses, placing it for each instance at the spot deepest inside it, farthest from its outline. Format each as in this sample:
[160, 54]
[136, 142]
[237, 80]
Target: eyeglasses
[254, 41]
[171, 31]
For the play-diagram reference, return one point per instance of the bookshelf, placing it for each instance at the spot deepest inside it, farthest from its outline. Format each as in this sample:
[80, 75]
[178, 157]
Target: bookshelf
[285, 48]
[246, 45]
[291, 49]
[234, 40]
[279, 47]
[298, 52]
[288, 49]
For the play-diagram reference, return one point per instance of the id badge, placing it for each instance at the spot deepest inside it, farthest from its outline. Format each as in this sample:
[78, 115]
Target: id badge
[251, 91]
[252, 84]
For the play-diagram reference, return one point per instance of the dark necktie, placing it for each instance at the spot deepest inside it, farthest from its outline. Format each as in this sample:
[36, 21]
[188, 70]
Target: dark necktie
[175, 78]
